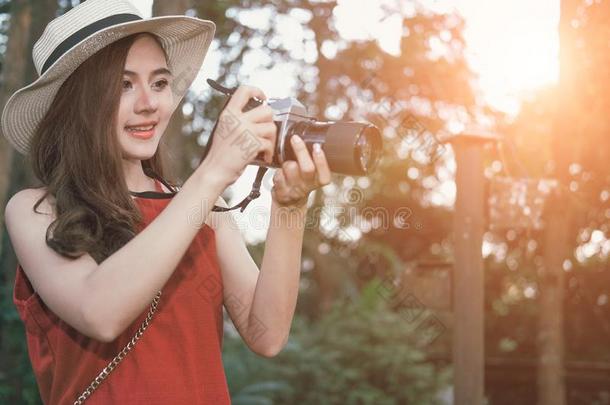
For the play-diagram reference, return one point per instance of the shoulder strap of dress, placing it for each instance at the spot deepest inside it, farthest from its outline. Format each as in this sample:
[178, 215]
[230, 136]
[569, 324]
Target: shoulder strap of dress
[158, 186]
[158, 178]
[170, 187]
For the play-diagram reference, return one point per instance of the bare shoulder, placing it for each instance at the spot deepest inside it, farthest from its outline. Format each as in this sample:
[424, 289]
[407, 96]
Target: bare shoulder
[21, 205]
[59, 281]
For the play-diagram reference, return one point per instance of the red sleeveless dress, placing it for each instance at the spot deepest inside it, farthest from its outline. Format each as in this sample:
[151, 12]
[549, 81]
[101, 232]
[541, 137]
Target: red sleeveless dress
[176, 361]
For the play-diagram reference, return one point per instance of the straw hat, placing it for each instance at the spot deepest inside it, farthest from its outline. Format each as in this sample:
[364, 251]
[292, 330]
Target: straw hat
[70, 39]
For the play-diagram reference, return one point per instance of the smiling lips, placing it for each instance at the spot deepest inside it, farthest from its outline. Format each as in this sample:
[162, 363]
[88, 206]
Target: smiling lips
[142, 131]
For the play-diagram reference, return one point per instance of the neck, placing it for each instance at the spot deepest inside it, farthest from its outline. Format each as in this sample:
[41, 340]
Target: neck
[135, 178]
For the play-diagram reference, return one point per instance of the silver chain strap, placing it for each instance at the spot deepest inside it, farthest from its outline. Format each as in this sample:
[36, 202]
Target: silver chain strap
[119, 357]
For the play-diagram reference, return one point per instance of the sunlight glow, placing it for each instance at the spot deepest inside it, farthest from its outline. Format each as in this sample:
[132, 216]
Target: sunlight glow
[512, 46]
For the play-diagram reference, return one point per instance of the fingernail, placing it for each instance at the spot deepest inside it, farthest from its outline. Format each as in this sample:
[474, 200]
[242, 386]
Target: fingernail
[296, 139]
[317, 148]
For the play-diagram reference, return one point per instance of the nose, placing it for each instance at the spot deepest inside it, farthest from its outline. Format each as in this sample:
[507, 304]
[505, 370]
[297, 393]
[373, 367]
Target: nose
[146, 101]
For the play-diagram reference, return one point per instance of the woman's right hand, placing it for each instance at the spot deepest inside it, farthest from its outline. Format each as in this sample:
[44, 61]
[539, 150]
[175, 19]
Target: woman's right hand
[241, 136]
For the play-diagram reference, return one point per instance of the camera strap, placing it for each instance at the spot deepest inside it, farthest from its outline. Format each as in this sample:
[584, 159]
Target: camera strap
[255, 192]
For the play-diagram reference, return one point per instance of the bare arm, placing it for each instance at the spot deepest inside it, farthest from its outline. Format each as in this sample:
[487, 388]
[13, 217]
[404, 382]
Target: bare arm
[125, 283]
[262, 303]
[277, 288]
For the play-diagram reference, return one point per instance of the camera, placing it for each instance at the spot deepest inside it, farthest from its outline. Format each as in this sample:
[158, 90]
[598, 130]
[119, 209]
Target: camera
[351, 148]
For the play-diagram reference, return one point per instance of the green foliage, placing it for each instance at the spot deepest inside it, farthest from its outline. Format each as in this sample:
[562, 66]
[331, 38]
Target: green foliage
[361, 352]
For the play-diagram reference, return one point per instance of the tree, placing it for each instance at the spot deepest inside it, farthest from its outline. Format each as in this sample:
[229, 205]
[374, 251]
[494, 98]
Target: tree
[174, 139]
[13, 79]
[562, 134]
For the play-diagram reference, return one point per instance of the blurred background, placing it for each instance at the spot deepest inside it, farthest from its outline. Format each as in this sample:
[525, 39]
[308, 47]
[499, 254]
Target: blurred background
[472, 265]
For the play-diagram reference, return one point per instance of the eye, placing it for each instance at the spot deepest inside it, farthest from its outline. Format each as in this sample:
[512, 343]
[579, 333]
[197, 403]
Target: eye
[126, 84]
[161, 83]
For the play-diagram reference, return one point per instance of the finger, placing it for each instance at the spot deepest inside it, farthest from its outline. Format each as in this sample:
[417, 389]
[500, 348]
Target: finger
[262, 113]
[308, 169]
[279, 183]
[291, 172]
[278, 178]
[293, 180]
[253, 147]
[266, 130]
[322, 169]
[267, 148]
[242, 95]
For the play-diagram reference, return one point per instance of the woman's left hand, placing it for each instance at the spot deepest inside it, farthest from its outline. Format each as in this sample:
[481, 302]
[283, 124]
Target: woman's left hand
[293, 182]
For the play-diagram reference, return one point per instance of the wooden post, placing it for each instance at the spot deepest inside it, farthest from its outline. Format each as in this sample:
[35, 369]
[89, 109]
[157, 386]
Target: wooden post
[551, 367]
[468, 228]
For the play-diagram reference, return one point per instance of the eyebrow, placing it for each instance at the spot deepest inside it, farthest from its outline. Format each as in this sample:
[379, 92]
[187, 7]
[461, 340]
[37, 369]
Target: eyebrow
[155, 72]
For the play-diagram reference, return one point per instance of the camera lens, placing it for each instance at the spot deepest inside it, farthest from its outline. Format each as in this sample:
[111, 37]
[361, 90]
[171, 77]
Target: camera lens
[351, 148]
[368, 148]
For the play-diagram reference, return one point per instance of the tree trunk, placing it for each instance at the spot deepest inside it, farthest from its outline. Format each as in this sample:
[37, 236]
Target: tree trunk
[13, 78]
[31, 23]
[174, 140]
[551, 362]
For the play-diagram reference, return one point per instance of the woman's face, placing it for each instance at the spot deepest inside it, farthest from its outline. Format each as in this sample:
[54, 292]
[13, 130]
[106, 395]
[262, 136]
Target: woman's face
[146, 99]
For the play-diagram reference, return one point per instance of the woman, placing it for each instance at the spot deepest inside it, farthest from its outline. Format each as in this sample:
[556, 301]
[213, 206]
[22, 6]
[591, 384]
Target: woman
[106, 231]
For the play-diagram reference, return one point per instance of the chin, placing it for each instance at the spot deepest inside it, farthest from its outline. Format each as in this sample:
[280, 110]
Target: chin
[145, 150]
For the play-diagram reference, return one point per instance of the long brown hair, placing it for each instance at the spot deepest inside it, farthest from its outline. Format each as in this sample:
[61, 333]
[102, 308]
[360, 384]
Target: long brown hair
[75, 153]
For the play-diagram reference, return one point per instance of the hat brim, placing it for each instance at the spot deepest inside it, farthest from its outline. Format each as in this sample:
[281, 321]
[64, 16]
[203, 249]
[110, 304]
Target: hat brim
[185, 39]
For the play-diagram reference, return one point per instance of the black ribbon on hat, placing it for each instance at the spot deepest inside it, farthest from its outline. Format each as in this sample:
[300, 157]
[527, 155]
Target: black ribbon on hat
[85, 32]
